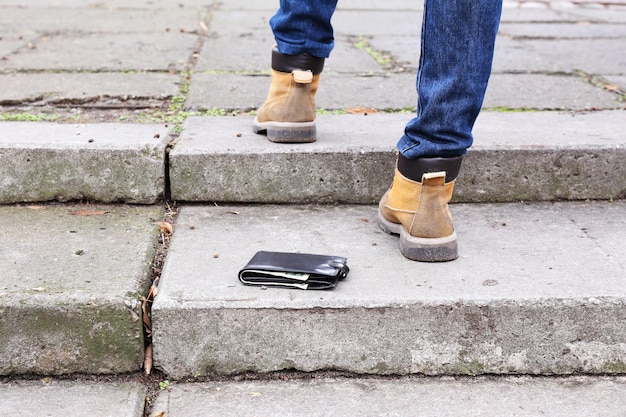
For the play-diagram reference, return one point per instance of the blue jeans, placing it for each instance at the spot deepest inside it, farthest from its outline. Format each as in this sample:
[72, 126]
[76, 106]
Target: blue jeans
[457, 46]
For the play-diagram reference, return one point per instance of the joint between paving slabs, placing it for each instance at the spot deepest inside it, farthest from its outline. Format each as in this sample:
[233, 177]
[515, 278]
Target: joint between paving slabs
[164, 238]
[601, 82]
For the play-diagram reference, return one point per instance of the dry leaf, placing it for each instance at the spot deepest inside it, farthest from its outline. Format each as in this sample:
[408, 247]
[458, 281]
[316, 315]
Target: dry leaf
[611, 87]
[204, 27]
[147, 360]
[158, 414]
[146, 316]
[360, 110]
[154, 290]
[88, 212]
[165, 227]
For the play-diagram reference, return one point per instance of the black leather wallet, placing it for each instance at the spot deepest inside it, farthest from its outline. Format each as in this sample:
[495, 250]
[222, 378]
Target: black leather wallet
[294, 270]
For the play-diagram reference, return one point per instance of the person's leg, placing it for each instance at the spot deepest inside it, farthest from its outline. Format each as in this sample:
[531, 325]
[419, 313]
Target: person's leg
[458, 39]
[455, 64]
[304, 38]
[303, 27]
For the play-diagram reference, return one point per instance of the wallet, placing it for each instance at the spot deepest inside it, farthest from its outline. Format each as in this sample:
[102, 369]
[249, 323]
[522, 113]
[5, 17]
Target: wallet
[294, 270]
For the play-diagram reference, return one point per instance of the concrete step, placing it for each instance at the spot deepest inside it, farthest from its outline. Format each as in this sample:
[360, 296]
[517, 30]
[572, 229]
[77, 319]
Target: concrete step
[71, 399]
[105, 162]
[524, 156]
[517, 157]
[70, 288]
[538, 289]
[443, 397]
[338, 396]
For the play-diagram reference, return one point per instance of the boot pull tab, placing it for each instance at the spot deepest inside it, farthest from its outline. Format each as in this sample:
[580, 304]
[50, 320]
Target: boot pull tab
[434, 178]
[302, 77]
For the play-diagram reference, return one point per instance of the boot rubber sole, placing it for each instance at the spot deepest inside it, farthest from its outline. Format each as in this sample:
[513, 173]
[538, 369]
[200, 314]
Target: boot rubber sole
[287, 132]
[421, 249]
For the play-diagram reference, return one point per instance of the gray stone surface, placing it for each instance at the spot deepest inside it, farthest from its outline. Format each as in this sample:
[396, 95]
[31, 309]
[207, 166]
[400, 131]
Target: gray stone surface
[341, 91]
[536, 40]
[548, 92]
[246, 20]
[561, 55]
[583, 29]
[71, 399]
[521, 397]
[537, 54]
[101, 162]
[245, 52]
[70, 51]
[10, 42]
[71, 286]
[353, 78]
[613, 14]
[106, 4]
[378, 22]
[249, 53]
[517, 156]
[620, 81]
[537, 15]
[106, 52]
[538, 289]
[68, 89]
[99, 18]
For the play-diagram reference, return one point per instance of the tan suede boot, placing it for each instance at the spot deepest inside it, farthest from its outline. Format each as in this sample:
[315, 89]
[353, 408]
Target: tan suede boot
[288, 113]
[418, 210]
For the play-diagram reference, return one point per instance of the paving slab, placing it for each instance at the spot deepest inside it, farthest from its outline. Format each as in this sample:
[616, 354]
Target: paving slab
[405, 5]
[265, 5]
[236, 21]
[250, 53]
[70, 291]
[619, 81]
[352, 78]
[561, 55]
[616, 14]
[69, 88]
[582, 29]
[105, 4]
[10, 42]
[271, 6]
[86, 19]
[517, 156]
[445, 397]
[71, 399]
[538, 289]
[378, 22]
[339, 91]
[99, 162]
[537, 15]
[244, 52]
[548, 92]
[404, 50]
[106, 52]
